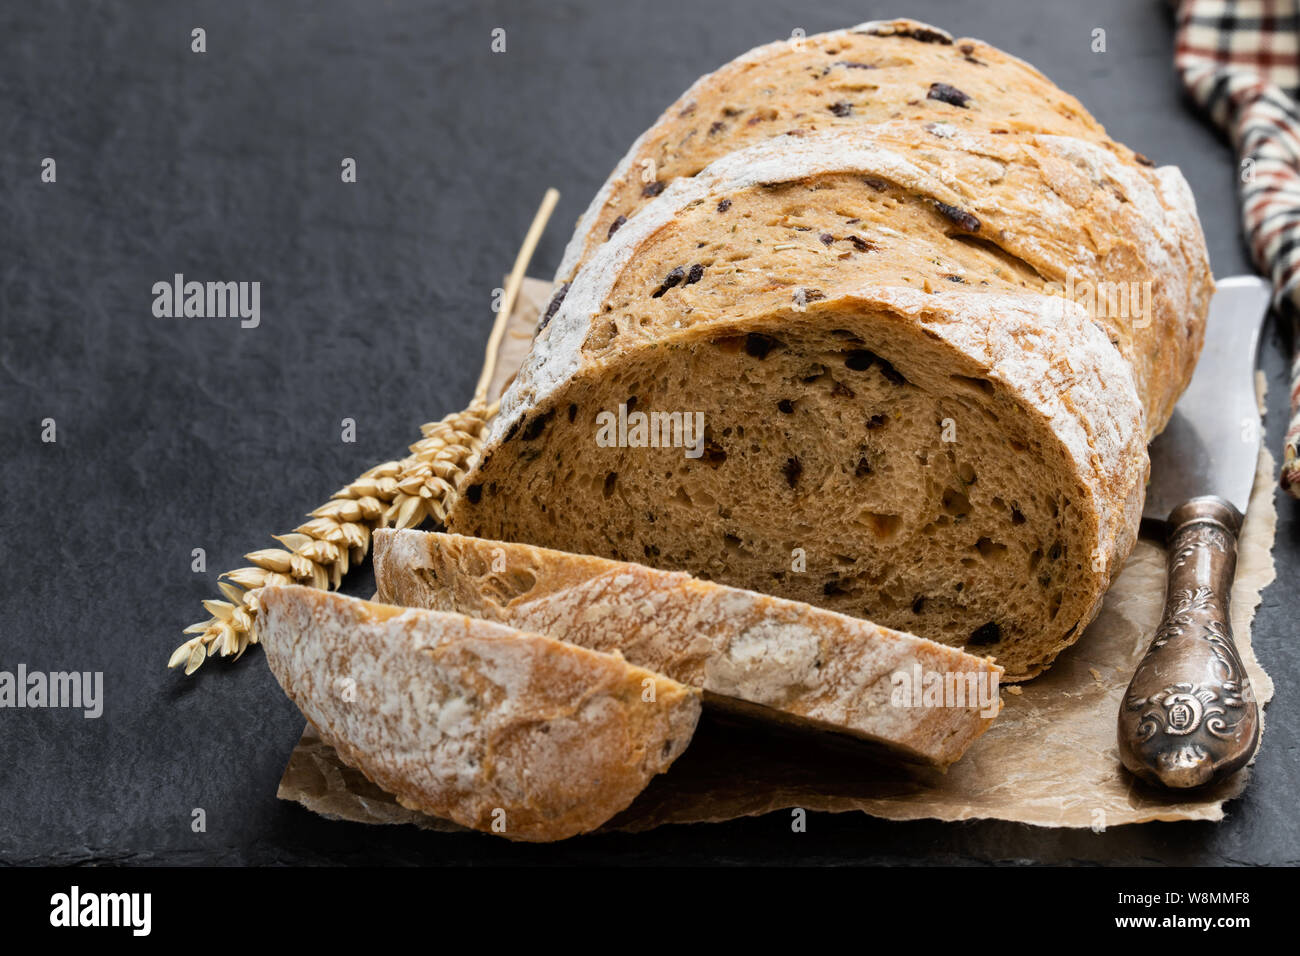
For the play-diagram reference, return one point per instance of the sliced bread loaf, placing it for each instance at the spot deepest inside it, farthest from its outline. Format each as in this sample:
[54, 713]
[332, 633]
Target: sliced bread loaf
[777, 659]
[495, 728]
[871, 73]
[964, 460]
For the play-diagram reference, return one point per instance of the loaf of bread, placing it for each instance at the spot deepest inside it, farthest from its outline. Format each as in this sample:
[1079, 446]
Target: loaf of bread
[886, 331]
[770, 658]
[495, 728]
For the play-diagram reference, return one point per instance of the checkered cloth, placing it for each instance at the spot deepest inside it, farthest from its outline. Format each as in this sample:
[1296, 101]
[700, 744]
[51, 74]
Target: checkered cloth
[1239, 62]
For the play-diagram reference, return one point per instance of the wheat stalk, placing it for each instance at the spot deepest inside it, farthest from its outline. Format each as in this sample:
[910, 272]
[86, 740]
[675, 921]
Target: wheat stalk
[399, 494]
[319, 553]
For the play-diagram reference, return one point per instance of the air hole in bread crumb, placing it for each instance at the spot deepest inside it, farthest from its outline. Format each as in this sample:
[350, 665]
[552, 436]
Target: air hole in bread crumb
[955, 503]
[988, 548]
[758, 345]
[610, 480]
[883, 525]
[792, 469]
[859, 360]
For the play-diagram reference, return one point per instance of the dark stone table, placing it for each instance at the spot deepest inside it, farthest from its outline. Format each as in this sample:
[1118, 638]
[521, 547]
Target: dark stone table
[176, 434]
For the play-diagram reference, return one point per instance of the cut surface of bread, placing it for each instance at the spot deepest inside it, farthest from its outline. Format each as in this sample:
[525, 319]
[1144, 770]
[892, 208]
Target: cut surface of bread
[802, 664]
[871, 73]
[492, 727]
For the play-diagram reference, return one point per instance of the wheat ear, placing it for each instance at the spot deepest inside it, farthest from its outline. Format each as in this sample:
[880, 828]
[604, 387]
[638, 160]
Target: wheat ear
[399, 494]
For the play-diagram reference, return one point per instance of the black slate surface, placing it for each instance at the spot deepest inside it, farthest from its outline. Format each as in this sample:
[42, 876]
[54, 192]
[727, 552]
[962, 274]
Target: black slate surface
[175, 434]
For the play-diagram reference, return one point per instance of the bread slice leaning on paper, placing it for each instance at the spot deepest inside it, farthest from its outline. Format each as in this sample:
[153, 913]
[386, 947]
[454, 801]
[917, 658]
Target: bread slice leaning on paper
[767, 657]
[495, 728]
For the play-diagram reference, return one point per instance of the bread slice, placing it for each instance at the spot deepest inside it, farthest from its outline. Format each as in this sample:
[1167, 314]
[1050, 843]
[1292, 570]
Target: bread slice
[495, 728]
[761, 655]
[964, 460]
[845, 79]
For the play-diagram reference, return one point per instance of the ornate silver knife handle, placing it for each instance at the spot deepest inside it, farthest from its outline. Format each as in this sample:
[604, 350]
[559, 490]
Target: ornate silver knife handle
[1189, 716]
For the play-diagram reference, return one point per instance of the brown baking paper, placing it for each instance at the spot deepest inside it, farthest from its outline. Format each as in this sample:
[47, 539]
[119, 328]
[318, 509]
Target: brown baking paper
[1050, 758]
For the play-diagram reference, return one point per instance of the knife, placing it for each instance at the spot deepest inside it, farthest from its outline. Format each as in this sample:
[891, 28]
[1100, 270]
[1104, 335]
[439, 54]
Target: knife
[1189, 716]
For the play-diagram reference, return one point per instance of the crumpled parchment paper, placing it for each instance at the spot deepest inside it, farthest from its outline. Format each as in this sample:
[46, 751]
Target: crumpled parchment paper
[1050, 758]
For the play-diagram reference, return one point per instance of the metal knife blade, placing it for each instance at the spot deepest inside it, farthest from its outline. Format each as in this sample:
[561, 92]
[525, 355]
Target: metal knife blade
[1211, 443]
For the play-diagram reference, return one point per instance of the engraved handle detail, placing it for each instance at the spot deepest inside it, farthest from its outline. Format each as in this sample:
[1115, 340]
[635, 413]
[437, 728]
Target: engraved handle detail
[1189, 716]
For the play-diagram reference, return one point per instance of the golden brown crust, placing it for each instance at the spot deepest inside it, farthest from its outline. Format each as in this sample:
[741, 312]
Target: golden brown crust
[933, 207]
[497, 729]
[845, 79]
[796, 662]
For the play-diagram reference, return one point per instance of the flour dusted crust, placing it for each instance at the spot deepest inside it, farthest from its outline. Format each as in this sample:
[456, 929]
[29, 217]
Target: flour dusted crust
[874, 72]
[799, 664]
[471, 720]
[1051, 215]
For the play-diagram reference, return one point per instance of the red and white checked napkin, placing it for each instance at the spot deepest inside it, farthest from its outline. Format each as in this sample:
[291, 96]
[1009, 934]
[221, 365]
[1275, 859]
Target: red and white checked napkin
[1240, 62]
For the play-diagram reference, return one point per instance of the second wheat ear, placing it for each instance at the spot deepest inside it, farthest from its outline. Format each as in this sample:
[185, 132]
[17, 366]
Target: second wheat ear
[400, 494]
